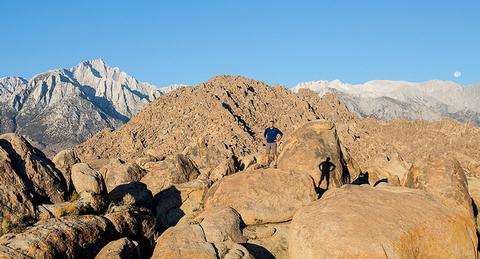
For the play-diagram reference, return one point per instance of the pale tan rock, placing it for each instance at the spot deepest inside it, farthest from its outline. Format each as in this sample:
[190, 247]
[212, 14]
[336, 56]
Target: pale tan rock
[221, 224]
[231, 113]
[123, 248]
[315, 148]
[64, 161]
[85, 179]
[181, 201]
[263, 196]
[124, 222]
[173, 170]
[117, 172]
[27, 178]
[183, 241]
[247, 161]
[271, 240]
[389, 169]
[204, 155]
[441, 176]
[360, 222]
[97, 163]
[68, 237]
[230, 250]
[226, 167]
[187, 241]
[368, 139]
[141, 161]
[155, 154]
[258, 231]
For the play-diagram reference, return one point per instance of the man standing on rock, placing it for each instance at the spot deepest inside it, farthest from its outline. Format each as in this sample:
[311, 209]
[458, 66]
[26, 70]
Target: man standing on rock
[270, 135]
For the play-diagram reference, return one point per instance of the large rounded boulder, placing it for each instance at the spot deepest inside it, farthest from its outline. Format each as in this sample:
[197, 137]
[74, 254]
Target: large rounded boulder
[441, 176]
[64, 238]
[263, 196]
[314, 148]
[173, 170]
[389, 222]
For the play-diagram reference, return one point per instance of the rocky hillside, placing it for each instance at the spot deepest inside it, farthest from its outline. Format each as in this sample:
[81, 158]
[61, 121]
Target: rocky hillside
[387, 100]
[229, 112]
[65, 107]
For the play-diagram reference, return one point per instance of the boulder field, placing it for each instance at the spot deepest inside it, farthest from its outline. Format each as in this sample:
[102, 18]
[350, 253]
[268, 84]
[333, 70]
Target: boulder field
[179, 208]
[211, 200]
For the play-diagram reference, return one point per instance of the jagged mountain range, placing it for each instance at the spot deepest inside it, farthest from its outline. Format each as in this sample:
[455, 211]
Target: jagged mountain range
[64, 107]
[387, 100]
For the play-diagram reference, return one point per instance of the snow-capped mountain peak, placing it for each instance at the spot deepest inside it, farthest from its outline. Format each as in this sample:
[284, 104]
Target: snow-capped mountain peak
[388, 99]
[63, 107]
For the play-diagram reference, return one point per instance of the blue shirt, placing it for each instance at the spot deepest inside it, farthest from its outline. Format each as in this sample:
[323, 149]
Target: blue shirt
[271, 134]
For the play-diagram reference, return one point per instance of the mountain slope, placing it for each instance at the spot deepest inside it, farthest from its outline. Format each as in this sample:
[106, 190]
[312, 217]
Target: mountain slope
[64, 107]
[387, 100]
[13, 92]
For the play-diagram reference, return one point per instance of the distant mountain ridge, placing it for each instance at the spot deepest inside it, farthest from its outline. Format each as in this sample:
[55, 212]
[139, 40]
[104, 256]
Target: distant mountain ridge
[387, 100]
[64, 107]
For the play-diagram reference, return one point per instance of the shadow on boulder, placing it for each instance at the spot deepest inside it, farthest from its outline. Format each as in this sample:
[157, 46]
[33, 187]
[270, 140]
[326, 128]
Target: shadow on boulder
[362, 179]
[259, 252]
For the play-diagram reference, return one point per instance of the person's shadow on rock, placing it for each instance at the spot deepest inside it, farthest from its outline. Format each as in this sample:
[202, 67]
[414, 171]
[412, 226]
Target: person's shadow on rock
[326, 167]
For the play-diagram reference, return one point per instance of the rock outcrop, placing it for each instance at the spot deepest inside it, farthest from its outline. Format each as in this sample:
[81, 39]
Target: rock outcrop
[181, 202]
[173, 170]
[68, 237]
[221, 224]
[123, 248]
[85, 179]
[247, 193]
[44, 181]
[269, 241]
[27, 178]
[314, 148]
[16, 207]
[360, 222]
[441, 176]
[64, 161]
[188, 241]
[117, 172]
[185, 180]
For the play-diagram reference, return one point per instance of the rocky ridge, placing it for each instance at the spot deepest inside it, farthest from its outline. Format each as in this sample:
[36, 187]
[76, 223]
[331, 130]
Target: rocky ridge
[64, 107]
[229, 112]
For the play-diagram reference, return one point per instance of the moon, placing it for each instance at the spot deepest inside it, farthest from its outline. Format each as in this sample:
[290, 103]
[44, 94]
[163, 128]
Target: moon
[457, 74]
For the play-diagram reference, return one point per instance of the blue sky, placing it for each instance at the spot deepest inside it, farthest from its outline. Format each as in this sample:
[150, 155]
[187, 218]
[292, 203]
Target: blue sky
[284, 42]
